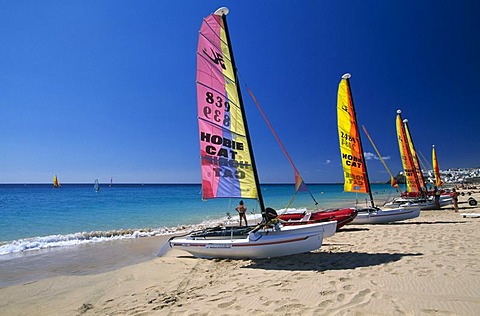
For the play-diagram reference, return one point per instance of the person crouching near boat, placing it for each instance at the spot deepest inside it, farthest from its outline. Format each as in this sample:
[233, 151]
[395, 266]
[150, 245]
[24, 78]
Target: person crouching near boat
[242, 212]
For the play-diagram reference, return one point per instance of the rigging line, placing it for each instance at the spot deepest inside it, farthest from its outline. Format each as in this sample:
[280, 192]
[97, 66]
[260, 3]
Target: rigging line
[426, 161]
[290, 202]
[299, 183]
[393, 182]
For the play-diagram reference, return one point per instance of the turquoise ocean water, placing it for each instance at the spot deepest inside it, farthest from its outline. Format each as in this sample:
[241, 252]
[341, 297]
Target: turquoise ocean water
[38, 216]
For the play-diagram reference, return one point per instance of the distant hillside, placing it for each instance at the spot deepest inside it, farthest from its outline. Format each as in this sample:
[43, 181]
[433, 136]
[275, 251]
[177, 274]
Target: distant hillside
[400, 178]
[449, 176]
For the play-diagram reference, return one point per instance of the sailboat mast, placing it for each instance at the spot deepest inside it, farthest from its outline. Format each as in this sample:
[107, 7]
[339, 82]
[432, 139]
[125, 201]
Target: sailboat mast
[223, 13]
[347, 77]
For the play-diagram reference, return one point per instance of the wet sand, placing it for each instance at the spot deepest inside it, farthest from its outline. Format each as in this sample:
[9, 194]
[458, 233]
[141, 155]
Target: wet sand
[77, 260]
[423, 266]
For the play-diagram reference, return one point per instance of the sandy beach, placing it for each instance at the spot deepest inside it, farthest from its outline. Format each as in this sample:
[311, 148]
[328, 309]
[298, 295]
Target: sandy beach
[424, 266]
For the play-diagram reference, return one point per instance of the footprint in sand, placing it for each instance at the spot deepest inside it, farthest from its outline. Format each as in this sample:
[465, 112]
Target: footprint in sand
[291, 308]
[85, 307]
[348, 287]
[227, 304]
[340, 297]
[325, 303]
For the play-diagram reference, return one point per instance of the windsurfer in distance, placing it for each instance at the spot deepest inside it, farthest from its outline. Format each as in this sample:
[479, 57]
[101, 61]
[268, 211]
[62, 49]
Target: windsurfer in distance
[242, 212]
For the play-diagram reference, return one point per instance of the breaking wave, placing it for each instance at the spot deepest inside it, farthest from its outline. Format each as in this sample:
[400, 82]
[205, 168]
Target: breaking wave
[55, 241]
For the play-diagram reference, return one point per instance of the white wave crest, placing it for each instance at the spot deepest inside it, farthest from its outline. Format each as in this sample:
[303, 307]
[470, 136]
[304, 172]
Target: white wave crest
[53, 241]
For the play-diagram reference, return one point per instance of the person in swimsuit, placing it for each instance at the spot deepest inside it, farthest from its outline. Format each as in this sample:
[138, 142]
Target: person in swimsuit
[455, 195]
[242, 212]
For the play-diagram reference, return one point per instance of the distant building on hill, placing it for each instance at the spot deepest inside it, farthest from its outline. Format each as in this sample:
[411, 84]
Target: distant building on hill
[449, 176]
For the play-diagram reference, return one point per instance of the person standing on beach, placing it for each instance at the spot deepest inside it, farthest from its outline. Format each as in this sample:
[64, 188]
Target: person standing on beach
[455, 195]
[436, 194]
[242, 212]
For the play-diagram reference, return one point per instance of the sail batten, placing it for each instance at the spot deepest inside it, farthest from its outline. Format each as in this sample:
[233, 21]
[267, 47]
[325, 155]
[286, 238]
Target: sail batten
[231, 101]
[214, 44]
[210, 75]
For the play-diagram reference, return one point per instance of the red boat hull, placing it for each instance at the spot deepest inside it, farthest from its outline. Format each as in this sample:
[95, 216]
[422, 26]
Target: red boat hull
[342, 216]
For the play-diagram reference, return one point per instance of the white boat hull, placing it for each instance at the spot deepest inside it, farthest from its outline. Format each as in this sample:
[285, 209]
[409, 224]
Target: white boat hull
[264, 243]
[424, 204]
[371, 215]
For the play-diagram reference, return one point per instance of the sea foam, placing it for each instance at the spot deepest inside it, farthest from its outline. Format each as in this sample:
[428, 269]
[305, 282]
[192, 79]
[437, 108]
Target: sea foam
[55, 241]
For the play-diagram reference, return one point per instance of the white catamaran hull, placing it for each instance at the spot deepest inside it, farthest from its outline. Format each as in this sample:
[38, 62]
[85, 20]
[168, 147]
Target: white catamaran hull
[263, 243]
[424, 204]
[372, 215]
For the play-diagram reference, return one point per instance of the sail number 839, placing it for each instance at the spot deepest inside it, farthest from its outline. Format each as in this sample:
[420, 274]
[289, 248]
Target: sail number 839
[214, 113]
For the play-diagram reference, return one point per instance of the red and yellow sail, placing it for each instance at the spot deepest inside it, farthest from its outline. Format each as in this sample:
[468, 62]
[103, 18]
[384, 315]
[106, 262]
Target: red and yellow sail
[225, 154]
[413, 153]
[354, 169]
[409, 169]
[436, 168]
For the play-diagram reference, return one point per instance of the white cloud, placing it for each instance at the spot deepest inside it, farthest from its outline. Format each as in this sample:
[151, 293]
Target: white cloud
[370, 156]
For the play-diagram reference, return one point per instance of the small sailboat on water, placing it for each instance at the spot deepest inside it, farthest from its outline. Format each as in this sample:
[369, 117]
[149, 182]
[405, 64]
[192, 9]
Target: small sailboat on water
[56, 183]
[96, 186]
[227, 160]
[354, 166]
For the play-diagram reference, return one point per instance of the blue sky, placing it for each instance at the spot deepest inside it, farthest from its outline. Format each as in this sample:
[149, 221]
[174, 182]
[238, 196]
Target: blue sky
[98, 89]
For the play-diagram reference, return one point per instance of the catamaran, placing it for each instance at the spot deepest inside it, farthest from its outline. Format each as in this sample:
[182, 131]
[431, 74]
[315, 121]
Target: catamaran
[416, 193]
[227, 160]
[354, 166]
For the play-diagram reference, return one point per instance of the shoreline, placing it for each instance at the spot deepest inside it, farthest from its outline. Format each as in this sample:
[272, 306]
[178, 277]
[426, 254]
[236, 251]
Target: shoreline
[426, 265]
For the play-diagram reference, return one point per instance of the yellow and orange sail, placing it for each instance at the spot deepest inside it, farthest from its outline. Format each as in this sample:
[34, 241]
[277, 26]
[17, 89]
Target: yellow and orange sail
[413, 153]
[411, 178]
[354, 169]
[56, 184]
[436, 168]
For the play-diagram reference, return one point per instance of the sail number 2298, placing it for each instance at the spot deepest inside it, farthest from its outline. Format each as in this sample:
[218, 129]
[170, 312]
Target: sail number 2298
[213, 112]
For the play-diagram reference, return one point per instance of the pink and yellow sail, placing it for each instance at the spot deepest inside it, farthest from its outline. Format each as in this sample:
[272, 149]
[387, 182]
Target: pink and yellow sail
[413, 184]
[226, 156]
[354, 169]
[436, 168]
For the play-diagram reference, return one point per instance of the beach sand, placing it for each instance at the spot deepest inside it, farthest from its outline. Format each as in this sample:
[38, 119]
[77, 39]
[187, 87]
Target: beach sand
[425, 266]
